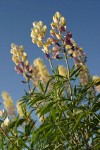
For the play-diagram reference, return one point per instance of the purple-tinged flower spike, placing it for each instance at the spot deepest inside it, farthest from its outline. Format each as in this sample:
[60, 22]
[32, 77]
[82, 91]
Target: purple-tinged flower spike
[20, 59]
[58, 26]
[59, 22]
[79, 57]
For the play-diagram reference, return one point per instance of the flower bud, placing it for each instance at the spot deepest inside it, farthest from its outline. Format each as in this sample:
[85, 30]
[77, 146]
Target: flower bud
[62, 21]
[58, 15]
[52, 32]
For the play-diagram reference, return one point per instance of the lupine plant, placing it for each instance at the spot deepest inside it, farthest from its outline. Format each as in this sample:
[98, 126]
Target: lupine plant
[59, 111]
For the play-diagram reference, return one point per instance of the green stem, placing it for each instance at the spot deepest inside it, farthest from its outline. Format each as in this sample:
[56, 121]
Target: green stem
[51, 65]
[68, 74]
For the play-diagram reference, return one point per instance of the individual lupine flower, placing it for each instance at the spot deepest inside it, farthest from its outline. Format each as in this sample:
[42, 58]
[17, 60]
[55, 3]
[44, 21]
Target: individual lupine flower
[69, 43]
[43, 73]
[5, 124]
[2, 113]
[62, 70]
[46, 45]
[56, 51]
[52, 32]
[8, 103]
[97, 79]
[38, 32]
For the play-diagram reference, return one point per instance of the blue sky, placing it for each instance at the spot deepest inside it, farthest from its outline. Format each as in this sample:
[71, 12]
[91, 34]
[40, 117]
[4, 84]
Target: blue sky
[16, 18]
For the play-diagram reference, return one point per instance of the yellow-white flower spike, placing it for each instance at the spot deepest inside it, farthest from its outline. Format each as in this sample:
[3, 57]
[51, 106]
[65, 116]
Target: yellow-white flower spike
[38, 32]
[42, 73]
[38, 62]
[8, 103]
